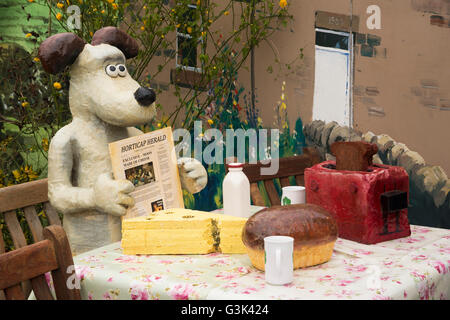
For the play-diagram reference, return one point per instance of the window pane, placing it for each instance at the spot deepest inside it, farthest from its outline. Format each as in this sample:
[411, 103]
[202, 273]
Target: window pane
[187, 52]
[331, 40]
[187, 17]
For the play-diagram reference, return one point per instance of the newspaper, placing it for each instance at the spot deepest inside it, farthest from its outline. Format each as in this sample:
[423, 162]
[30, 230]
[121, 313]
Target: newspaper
[149, 162]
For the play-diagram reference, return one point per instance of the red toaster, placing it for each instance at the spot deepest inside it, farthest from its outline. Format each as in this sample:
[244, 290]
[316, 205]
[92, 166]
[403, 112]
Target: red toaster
[369, 206]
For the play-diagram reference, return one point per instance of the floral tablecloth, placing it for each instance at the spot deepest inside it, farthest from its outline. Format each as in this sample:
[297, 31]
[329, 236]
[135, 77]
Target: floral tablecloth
[416, 267]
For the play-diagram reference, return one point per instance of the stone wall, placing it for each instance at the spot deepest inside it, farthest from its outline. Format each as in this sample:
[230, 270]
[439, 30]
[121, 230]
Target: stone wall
[429, 184]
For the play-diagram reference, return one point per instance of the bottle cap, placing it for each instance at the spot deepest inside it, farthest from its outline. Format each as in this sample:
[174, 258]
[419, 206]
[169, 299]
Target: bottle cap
[235, 165]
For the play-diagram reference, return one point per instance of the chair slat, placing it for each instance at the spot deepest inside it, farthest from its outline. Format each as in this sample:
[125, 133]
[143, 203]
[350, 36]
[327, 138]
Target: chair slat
[14, 293]
[300, 179]
[285, 182]
[289, 166]
[272, 193]
[51, 214]
[256, 195]
[15, 230]
[2, 244]
[313, 155]
[23, 195]
[41, 289]
[2, 250]
[34, 223]
[64, 259]
[26, 263]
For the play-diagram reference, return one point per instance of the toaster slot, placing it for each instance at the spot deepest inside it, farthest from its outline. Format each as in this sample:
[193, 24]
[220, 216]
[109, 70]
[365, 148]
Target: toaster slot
[391, 203]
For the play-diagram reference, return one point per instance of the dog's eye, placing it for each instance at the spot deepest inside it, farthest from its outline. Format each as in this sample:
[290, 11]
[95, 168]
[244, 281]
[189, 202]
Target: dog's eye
[111, 71]
[122, 70]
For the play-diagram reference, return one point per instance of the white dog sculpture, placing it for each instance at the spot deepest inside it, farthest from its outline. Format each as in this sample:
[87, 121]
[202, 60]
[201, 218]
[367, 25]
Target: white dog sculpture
[105, 103]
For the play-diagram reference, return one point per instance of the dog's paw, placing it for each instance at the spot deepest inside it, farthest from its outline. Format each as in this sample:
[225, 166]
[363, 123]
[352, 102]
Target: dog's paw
[193, 175]
[111, 196]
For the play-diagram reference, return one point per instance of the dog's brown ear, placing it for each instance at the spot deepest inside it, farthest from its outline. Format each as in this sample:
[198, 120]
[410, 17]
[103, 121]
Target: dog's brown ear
[60, 51]
[118, 39]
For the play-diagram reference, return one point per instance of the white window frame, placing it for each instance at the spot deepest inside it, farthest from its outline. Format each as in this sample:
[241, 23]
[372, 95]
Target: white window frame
[187, 36]
[350, 36]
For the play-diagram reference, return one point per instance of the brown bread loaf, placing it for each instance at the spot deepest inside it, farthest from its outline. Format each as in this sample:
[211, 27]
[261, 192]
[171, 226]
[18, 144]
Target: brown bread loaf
[314, 231]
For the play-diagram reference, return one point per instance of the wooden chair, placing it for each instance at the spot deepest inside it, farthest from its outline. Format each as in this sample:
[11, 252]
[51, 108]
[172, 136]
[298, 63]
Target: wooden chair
[32, 262]
[25, 197]
[288, 167]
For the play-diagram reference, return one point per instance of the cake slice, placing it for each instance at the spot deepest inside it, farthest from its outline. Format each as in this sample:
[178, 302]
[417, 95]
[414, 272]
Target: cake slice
[182, 231]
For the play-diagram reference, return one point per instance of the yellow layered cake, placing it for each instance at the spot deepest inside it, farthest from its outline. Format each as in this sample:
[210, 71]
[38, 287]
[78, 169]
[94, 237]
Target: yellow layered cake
[183, 231]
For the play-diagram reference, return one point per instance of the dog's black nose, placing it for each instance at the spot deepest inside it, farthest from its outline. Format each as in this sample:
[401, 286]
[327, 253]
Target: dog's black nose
[145, 96]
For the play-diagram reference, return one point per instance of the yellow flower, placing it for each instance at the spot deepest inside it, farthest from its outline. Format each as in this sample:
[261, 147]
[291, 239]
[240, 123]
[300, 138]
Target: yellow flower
[36, 59]
[142, 28]
[16, 174]
[200, 135]
[226, 13]
[162, 36]
[283, 106]
[30, 1]
[203, 33]
[59, 16]
[178, 25]
[25, 104]
[210, 121]
[245, 121]
[91, 33]
[230, 126]
[283, 3]
[114, 5]
[28, 171]
[103, 11]
[159, 124]
[259, 120]
[44, 144]
[57, 85]
[198, 2]
[28, 35]
[60, 5]
[189, 29]
[110, 1]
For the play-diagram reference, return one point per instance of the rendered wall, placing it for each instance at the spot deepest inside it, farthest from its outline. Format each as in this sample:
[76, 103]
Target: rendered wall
[401, 72]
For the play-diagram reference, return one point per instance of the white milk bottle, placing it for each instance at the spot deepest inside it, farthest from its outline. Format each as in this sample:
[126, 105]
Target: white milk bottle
[236, 192]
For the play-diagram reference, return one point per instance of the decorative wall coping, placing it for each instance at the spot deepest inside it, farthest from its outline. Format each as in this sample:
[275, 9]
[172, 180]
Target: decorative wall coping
[425, 180]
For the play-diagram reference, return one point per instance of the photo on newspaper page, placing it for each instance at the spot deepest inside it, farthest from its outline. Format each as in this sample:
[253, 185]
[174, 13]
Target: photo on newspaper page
[149, 162]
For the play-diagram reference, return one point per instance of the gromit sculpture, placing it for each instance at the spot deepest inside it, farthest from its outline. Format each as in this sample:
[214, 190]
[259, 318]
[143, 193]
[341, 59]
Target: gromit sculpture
[106, 103]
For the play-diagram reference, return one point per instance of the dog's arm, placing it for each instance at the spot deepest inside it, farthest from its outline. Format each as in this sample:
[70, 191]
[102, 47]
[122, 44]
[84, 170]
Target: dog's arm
[107, 195]
[62, 195]
[132, 132]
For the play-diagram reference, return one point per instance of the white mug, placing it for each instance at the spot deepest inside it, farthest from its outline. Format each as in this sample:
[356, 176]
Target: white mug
[278, 259]
[293, 195]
